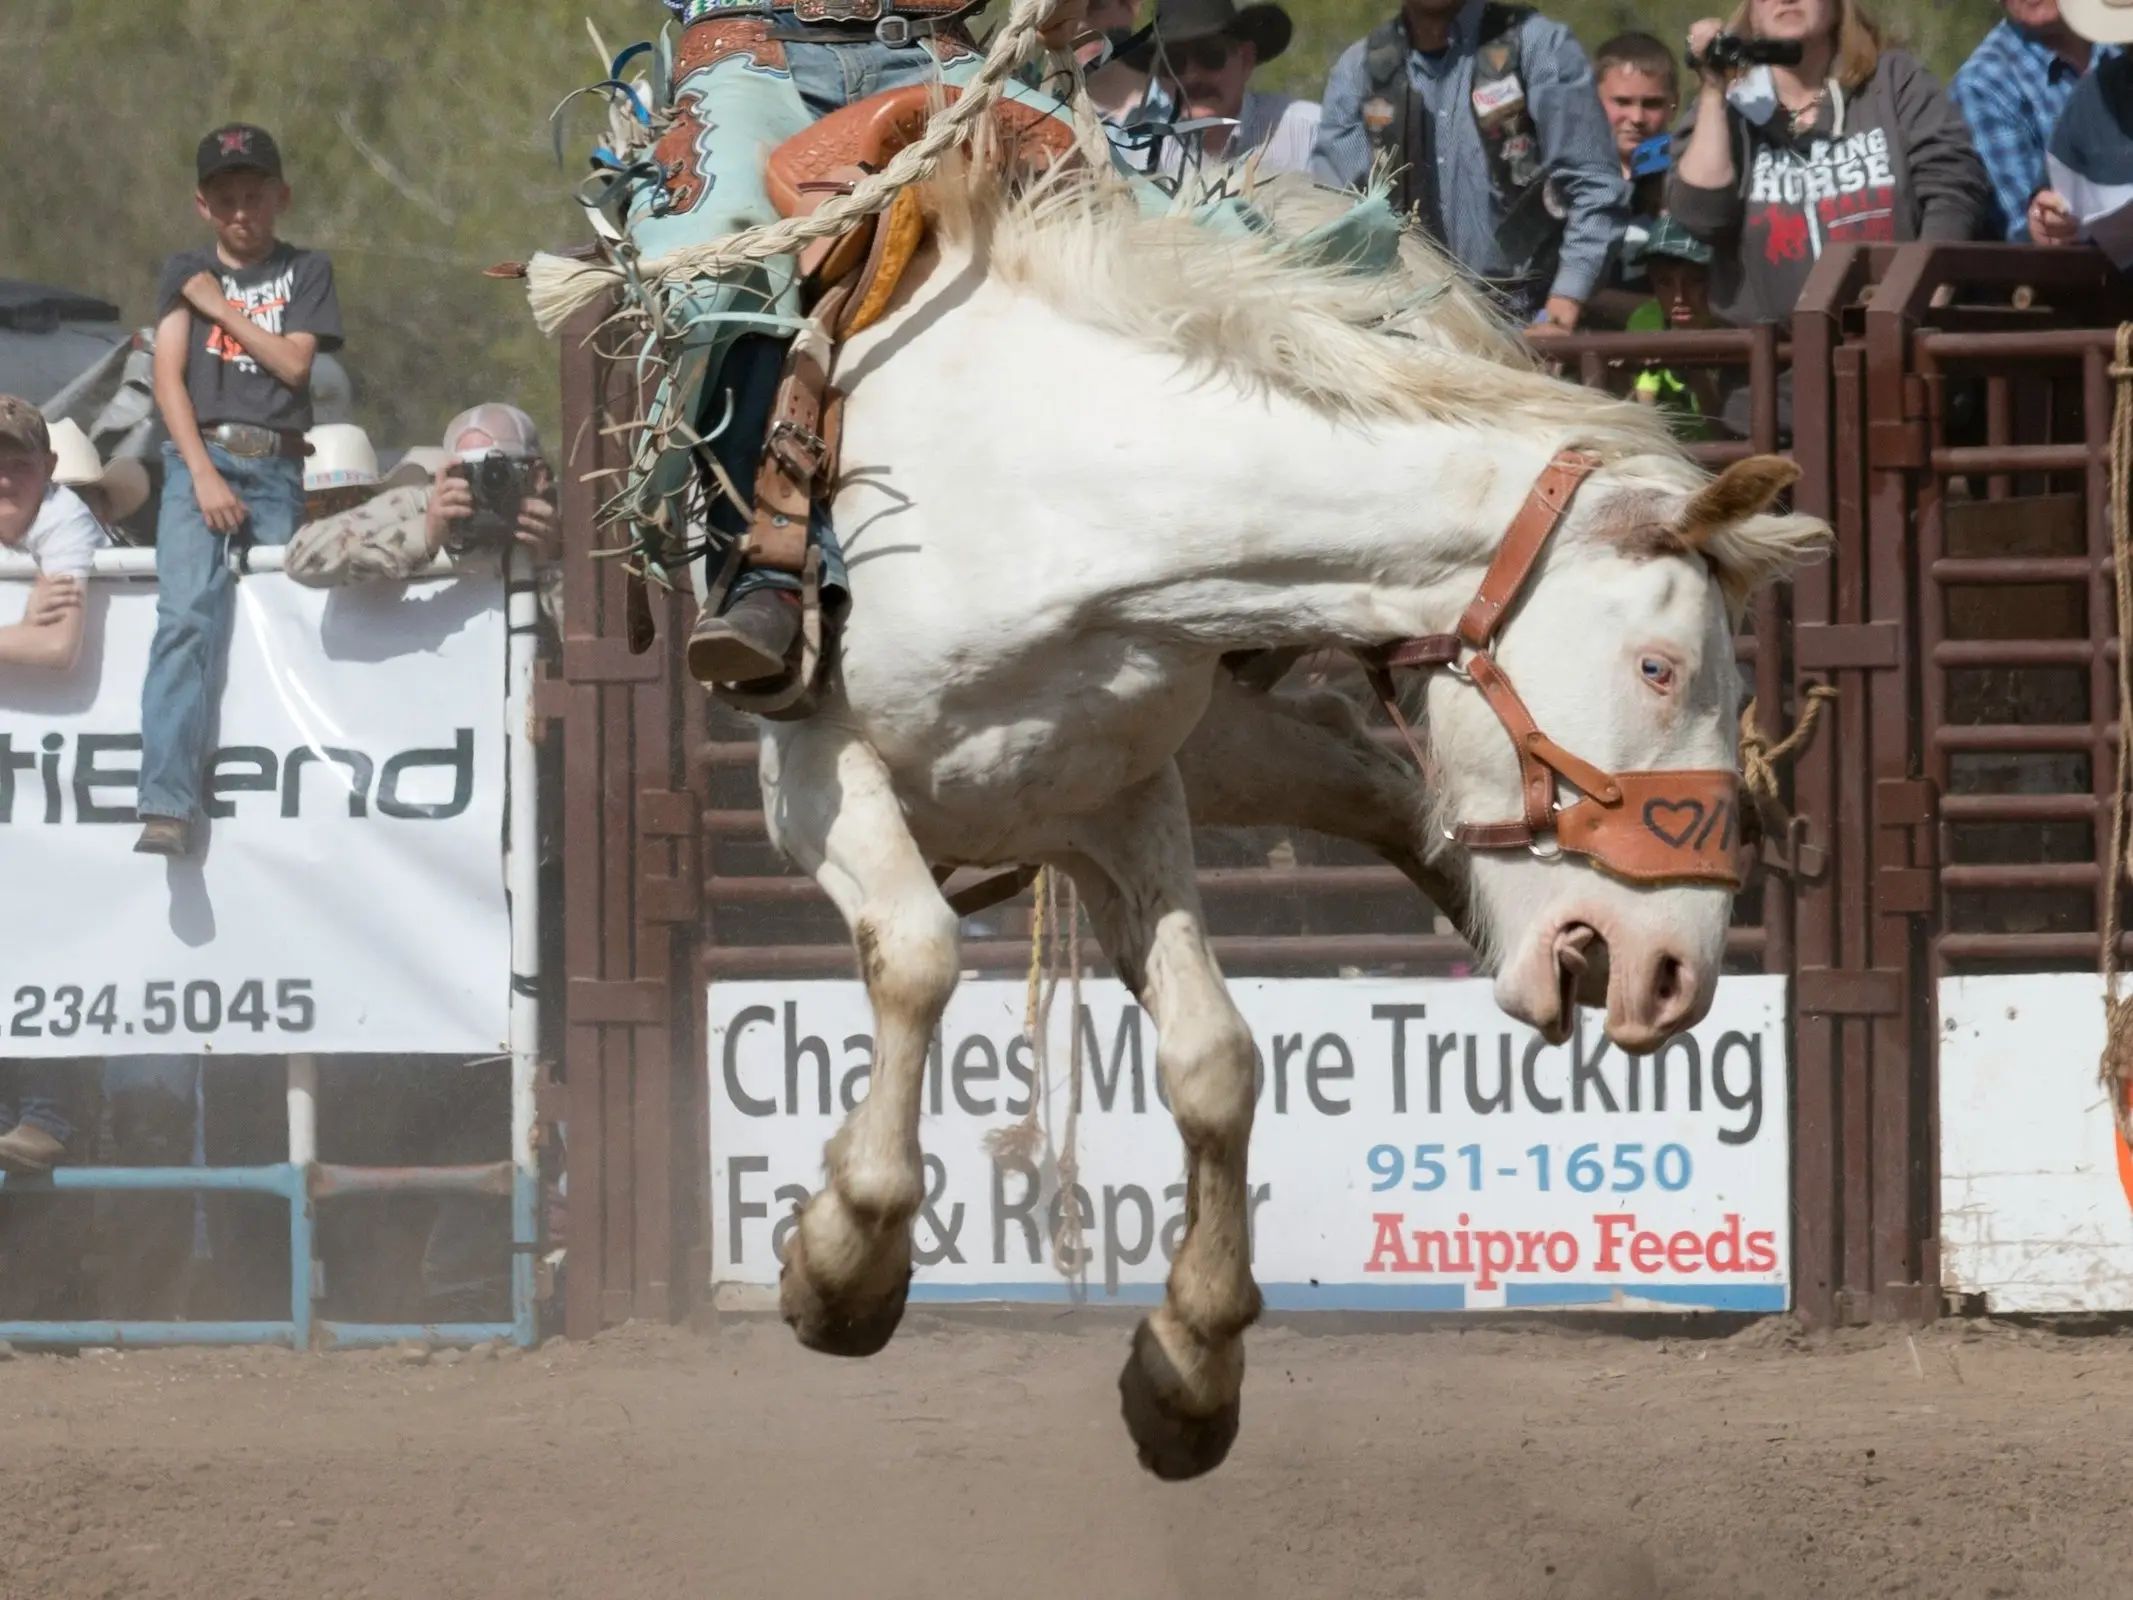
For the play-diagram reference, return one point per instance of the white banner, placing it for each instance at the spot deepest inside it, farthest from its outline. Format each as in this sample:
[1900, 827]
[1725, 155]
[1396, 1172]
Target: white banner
[2036, 1187]
[1413, 1149]
[351, 895]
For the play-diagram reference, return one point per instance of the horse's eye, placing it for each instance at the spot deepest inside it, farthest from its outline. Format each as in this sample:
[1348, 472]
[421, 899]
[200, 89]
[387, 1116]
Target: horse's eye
[1658, 673]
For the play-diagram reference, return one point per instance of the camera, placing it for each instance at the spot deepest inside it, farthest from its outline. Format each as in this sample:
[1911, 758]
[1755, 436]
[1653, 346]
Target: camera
[1729, 50]
[500, 485]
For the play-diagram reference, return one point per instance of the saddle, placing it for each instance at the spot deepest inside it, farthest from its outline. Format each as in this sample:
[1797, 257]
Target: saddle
[847, 282]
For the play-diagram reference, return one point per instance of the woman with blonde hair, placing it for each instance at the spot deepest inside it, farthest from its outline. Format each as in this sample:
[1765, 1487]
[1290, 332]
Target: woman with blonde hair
[1846, 143]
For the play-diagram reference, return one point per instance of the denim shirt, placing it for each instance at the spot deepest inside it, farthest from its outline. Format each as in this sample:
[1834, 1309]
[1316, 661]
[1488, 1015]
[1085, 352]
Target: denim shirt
[1577, 147]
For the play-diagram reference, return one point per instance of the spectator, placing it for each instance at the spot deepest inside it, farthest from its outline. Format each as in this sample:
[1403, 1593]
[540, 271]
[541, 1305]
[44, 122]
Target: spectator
[2012, 92]
[1639, 92]
[1503, 154]
[112, 493]
[1207, 50]
[45, 520]
[1679, 267]
[1626, 289]
[1854, 144]
[239, 325]
[50, 524]
[400, 530]
[2090, 162]
[341, 470]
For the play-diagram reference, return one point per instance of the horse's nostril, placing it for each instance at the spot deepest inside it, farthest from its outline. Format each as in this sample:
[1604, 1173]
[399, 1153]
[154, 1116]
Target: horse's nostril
[1669, 982]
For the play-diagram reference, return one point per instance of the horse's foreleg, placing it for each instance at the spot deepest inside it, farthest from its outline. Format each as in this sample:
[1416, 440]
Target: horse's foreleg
[833, 812]
[1182, 1381]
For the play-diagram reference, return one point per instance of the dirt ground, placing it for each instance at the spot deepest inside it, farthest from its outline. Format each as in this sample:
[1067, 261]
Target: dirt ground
[986, 1458]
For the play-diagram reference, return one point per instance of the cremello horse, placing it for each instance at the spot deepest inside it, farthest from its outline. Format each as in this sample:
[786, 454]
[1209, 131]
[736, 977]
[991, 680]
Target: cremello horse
[1088, 455]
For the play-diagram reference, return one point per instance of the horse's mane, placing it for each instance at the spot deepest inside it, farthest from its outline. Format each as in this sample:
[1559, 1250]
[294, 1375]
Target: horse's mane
[1416, 343]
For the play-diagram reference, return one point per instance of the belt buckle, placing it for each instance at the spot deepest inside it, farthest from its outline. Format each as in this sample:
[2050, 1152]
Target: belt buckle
[247, 442]
[894, 30]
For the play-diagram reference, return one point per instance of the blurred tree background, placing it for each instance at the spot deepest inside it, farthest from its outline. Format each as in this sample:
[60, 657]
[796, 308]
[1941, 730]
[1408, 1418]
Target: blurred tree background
[417, 139]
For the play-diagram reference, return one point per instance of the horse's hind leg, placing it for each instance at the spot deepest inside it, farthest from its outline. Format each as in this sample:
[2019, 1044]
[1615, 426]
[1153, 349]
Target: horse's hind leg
[1182, 1380]
[833, 812]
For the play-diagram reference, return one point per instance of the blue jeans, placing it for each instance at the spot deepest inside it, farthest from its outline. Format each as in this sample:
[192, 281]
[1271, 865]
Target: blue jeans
[41, 1094]
[740, 107]
[196, 602]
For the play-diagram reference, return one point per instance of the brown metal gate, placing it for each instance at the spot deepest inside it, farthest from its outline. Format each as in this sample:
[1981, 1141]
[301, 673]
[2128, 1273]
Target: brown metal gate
[1915, 421]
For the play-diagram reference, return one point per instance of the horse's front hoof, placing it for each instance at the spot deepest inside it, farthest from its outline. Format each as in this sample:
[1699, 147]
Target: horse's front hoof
[840, 1325]
[1173, 1444]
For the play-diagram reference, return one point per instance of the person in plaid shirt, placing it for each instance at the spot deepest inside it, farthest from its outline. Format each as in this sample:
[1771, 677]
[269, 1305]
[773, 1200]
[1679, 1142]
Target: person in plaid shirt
[2011, 92]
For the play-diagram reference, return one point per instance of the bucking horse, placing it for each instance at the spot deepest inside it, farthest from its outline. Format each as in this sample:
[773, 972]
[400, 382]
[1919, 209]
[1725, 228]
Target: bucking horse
[1096, 451]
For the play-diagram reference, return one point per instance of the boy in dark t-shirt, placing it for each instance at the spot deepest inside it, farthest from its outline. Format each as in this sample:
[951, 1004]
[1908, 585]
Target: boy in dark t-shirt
[237, 326]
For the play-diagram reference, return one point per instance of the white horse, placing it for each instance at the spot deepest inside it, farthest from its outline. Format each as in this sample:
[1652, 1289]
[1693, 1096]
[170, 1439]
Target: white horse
[1089, 454]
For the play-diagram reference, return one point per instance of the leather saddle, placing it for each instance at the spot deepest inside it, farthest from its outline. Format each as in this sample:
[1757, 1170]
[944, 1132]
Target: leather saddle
[846, 282]
[860, 139]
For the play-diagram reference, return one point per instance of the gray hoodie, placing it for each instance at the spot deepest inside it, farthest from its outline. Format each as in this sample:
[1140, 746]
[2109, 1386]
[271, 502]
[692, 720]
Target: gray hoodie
[1891, 162]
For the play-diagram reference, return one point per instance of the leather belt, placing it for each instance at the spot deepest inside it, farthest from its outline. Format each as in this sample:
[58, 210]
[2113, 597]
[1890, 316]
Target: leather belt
[1648, 827]
[846, 13]
[250, 442]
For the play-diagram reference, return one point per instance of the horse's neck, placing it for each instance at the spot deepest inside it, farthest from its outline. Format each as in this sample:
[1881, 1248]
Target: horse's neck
[1172, 499]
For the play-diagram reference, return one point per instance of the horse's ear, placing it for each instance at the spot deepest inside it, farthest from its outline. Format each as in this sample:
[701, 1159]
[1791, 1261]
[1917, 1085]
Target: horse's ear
[1743, 490]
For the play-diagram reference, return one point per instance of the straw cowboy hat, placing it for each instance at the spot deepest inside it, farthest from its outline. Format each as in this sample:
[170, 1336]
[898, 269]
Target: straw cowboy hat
[342, 457]
[2100, 21]
[124, 482]
[1265, 27]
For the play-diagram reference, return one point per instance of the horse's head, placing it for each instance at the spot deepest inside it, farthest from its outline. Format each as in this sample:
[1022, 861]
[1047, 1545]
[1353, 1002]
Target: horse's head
[1620, 644]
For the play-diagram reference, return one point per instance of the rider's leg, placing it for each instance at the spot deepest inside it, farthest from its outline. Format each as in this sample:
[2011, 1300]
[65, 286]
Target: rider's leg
[833, 812]
[747, 102]
[1186, 1370]
[734, 101]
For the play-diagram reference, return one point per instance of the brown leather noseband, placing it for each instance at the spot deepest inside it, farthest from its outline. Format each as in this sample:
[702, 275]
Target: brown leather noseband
[1648, 827]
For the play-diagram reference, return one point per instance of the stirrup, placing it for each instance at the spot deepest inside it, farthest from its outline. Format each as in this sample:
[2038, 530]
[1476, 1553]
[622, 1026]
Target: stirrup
[794, 695]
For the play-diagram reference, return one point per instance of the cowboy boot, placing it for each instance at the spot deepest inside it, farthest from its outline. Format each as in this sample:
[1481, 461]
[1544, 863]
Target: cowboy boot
[749, 641]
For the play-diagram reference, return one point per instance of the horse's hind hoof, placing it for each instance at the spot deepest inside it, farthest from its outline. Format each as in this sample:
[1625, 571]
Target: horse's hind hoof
[840, 1327]
[1173, 1444]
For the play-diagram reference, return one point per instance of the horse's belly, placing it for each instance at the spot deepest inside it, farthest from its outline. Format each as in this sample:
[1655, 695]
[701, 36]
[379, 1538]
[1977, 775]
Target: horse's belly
[993, 775]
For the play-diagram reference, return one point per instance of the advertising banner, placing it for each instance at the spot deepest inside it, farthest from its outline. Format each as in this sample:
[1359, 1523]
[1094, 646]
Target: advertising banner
[1413, 1148]
[350, 896]
[2036, 1186]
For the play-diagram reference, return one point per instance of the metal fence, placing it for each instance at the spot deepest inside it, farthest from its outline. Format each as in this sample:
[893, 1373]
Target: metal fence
[1951, 799]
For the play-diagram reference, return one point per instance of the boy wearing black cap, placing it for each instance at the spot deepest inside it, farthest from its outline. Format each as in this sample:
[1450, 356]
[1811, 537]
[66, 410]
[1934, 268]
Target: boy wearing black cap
[239, 323]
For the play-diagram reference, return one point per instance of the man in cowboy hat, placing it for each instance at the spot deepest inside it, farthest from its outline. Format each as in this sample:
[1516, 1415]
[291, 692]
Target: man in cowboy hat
[2090, 161]
[1206, 50]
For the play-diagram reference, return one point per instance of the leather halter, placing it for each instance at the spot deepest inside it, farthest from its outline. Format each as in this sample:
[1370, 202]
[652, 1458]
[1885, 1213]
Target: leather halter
[1648, 827]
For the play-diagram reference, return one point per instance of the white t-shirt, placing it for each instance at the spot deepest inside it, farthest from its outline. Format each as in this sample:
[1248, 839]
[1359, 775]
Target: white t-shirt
[66, 535]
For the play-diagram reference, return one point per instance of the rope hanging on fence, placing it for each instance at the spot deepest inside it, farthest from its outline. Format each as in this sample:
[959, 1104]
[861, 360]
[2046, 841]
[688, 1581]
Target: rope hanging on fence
[2115, 1070]
[558, 288]
[1760, 759]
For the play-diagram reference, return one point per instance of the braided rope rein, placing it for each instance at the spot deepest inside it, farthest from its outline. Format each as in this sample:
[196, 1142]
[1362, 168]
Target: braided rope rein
[558, 289]
[2115, 1068]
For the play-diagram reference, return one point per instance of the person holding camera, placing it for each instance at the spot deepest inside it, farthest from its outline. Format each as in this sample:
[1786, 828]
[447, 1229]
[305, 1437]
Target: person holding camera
[1807, 133]
[491, 487]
